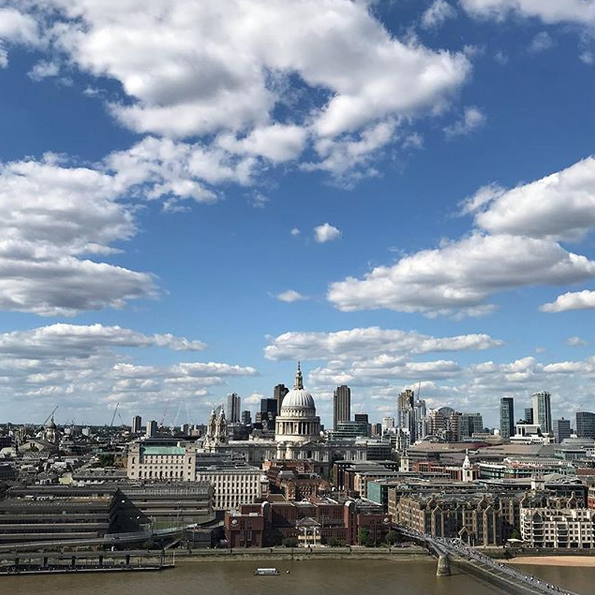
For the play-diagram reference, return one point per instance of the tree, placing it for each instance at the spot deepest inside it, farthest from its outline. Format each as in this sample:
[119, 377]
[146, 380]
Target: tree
[392, 537]
[363, 535]
[290, 542]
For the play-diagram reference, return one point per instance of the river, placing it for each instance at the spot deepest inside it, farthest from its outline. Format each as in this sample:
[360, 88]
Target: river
[312, 577]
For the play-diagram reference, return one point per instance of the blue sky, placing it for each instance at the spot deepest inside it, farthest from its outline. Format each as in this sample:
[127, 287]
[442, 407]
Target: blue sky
[395, 192]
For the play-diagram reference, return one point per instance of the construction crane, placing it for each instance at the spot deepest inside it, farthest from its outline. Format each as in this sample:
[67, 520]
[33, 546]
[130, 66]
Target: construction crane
[49, 416]
[175, 420]
[111, 425]
[164, 414]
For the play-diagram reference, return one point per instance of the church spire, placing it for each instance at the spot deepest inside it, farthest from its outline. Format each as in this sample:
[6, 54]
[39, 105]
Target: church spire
[299, 381]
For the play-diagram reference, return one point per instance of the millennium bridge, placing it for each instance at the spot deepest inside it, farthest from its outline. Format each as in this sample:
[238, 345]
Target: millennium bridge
[508, 578]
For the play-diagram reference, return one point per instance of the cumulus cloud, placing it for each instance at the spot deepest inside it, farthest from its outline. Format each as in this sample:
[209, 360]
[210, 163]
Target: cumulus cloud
[84, 368]
[50, 217]
[515, 244]
[326, 233]
[541, 42]
[558, 206]
[473, 118]
[437, 13]
[576, 342]
[221, 70]
[461, 275]
[573, 300]
[290, 296]
[549, 11]
[367, 342]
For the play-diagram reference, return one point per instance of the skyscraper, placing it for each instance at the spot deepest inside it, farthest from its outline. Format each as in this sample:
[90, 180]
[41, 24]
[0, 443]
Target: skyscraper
[469, 424]
[279, 393]
[233, 408]
[561, 429]
[151, 429]
[341, 405]
[585, 424]
[528, 415]
[542, 412]
[506, 417]
[246, 417]
[137, 422]
[405, 415]
[268, 413]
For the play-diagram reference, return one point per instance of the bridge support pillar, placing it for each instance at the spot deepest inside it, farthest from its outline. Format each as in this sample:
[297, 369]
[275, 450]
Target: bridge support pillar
[443, 568]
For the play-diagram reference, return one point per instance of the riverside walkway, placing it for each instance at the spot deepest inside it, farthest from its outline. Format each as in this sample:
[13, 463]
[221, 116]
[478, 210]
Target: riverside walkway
[491, 569]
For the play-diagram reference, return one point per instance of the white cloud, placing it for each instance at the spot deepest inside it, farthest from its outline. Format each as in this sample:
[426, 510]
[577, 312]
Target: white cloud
[437, 13]
[548, 11]
[573, 300]
[576, 342]
[44, 69]
[326, 233]
[461, 275]
[220, 71]
[84, 368]
[526, 224]
[368, 342]
[558, 206]
[290, 296]
[473, 118]
[541, 42]
[295, 232]
[50, 217]
[16, 28]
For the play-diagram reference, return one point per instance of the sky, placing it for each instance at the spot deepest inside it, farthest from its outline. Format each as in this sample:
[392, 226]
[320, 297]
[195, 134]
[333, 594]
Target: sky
[195, 195]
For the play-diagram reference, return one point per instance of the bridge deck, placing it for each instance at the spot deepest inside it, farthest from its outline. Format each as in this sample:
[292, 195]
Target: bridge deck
[502, 572]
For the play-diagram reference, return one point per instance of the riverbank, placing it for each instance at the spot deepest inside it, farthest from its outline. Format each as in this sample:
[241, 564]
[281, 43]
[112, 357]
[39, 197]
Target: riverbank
[317, 553]
[569, 561]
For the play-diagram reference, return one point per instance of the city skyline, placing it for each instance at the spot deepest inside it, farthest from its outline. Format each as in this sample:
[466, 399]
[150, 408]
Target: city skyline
[411, 212]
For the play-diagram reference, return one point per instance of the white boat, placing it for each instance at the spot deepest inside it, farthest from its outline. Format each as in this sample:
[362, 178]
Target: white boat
[266, 572]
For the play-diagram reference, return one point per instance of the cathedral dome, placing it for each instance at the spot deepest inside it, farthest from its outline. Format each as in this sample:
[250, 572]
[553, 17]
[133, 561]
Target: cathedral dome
[298, 397]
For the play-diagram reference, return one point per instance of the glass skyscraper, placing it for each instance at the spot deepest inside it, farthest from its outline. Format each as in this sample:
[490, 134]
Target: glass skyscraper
[506, 417]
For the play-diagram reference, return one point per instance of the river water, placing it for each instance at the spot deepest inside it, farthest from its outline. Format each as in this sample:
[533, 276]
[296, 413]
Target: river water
[312, 577]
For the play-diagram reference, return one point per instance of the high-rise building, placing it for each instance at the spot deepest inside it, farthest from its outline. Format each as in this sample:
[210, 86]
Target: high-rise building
[233, 408]
[268, 413]
[469, 424]
[528, 415]
[542, 412]
[151, 429]
[420, 420]
[561, 429]
[506, 417]
[405, 415]
[137, 422]
[341, 405]
[279, 394]
[388, 424]
[364, 421]
[246, 418]
[585, 424]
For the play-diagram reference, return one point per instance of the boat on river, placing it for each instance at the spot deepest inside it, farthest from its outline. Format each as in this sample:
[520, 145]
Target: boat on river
[266, 572]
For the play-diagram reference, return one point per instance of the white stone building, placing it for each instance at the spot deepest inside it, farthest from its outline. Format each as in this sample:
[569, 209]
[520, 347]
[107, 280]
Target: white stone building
[558, 528]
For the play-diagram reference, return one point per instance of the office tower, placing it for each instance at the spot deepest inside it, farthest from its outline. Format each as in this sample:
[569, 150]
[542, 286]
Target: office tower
[363, 420]
[561, 429]
[268, 413]
[585, 424]
[233, 408]
[405, 416]
[388, 424]
[185, 429]
[542, 413]
[529, 415]
[419, 420]
[246, 418]
[341, 405]
[136, 424]
[377, 429]
[151, 429]
[470, 423]
[506, 417]
[279, 394]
